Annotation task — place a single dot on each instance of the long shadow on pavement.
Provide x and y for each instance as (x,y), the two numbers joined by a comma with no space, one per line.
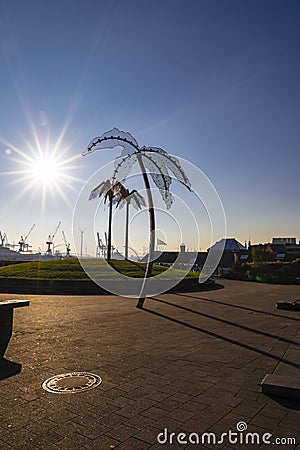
(239,307)
(9,369)
(227,322)
(219,336)
(286,402)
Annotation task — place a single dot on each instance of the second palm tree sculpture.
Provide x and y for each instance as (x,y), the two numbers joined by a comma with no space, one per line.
(158,162)
(129,198)
(110,192)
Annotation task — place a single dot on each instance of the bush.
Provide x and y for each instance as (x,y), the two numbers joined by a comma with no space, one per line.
(267,272)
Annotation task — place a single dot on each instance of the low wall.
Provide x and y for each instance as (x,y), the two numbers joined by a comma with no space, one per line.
(78,287)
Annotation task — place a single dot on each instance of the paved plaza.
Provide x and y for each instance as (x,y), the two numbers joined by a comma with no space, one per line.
(189,362)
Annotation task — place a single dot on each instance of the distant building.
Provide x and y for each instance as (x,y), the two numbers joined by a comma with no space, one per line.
(182,248)
(229,244)
(284,240)
(281,249)
(233,252)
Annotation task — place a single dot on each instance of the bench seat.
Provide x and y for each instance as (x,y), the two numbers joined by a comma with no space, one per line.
(6,326)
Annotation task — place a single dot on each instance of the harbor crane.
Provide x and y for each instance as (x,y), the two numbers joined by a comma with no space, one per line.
(3,239)
(67,244)
(101,248)
(23,246)
(49,242)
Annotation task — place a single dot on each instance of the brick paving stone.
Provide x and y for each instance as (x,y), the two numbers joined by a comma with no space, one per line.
(292,417)
(148,434)
(122,401)
(92,431)
(219,408)
(181,415)
(41,446)
(265,421)
(104,410)
(88,419)
(145,403)
(41,426)
(158,396)
(112,420)
(65,428)
(168,404)
(193,426)
(130,411)
(139,422)
(121,432)
(155,413)
(73,441)
(229,387)
(114,392)
(12,425)
(181,397)
(167,422)
(193,406)
(166,447)
(102,443)
(63,414)
(210,418)
(269,411)
(43,441)
(133,444)
(19,436)
(5,445)
(193,389)
(161,386)
(231,420)
(248,408)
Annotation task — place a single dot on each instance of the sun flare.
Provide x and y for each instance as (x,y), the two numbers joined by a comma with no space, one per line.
(46,170)
(43,171)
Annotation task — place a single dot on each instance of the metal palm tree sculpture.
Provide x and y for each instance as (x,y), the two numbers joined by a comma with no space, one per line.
(110,192)
(159,165)
(129,198)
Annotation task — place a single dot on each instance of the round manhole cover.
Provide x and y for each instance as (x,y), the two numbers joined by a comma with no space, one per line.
(71,383)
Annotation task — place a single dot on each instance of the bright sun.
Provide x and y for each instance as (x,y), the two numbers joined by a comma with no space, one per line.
(47,170)
(43,167)
(43,171)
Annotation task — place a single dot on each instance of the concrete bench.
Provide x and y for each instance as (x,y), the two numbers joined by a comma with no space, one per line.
(6,325)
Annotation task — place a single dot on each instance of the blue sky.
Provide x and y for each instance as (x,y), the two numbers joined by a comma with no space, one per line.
(215,82)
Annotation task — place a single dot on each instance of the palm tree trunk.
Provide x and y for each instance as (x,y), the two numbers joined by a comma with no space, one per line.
(151,229)
(109,228)
(126,229)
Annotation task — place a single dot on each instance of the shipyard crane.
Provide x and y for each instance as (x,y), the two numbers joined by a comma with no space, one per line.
(49,242)
(22,243)
(67,244)
(3,239)
(101,248)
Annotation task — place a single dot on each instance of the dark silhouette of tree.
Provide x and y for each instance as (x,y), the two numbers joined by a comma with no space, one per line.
(110,192)
(128,198)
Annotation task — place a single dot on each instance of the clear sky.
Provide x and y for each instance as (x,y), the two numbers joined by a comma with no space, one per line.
(213,81)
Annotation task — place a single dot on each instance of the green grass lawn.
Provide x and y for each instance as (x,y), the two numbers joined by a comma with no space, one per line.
(70,269)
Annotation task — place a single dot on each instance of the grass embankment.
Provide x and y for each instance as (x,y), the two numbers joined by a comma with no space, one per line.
(70,269)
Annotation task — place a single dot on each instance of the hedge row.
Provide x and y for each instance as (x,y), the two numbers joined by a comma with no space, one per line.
(267,272)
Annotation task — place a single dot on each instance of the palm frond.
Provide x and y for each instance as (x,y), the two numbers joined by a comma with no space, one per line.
(163,159)
(101,189)
(123,166)
(111,139)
